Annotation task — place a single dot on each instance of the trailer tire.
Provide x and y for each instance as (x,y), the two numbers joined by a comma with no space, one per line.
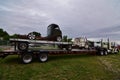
(43,57)
(23,46)
(26,58)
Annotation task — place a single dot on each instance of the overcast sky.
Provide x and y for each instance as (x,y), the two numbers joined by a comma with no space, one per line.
(76,18)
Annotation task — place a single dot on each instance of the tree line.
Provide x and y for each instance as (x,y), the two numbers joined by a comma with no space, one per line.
(4,35)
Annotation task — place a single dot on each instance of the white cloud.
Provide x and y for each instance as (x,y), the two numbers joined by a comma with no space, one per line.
(3,8)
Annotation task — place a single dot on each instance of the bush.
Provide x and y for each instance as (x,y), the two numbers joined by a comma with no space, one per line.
(4,42)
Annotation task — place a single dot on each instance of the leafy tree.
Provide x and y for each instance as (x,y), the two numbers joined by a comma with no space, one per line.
(4,34)
(6,37)
(14,36)
(70,40)
(36,33)
(66,39)
(1,32)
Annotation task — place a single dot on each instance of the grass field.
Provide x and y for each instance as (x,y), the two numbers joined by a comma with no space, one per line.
(0,49)
(62,67)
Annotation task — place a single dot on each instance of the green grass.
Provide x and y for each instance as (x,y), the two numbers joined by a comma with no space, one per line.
(0,49)
(62,67)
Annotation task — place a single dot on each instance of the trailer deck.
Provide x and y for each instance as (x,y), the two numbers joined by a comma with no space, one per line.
(49,52)
(26,55)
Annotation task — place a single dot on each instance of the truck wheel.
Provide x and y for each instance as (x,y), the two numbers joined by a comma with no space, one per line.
(101,53)
(116,51)
(23,46)
(105,52)
(26,58)
(69,47)
(31,36)
(59,38)
(43,57)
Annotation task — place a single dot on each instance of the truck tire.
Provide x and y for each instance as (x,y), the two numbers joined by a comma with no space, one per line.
(26,58)
(23,46)
(116,51)
(101,53)
(105,52)
(31,36)
(43,57)
(59,38)
(69,47)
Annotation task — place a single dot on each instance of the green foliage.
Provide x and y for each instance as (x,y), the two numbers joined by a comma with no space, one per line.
(36,33)
(14,36)
(66,39)
(70,40)
(1,49)
(4,42)
(4,35)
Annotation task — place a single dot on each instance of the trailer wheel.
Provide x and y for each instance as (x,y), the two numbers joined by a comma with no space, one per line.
(26,58)
(23,46)
(43,57)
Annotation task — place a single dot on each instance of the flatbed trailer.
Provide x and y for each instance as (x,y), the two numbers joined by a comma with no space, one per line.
(27,56)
